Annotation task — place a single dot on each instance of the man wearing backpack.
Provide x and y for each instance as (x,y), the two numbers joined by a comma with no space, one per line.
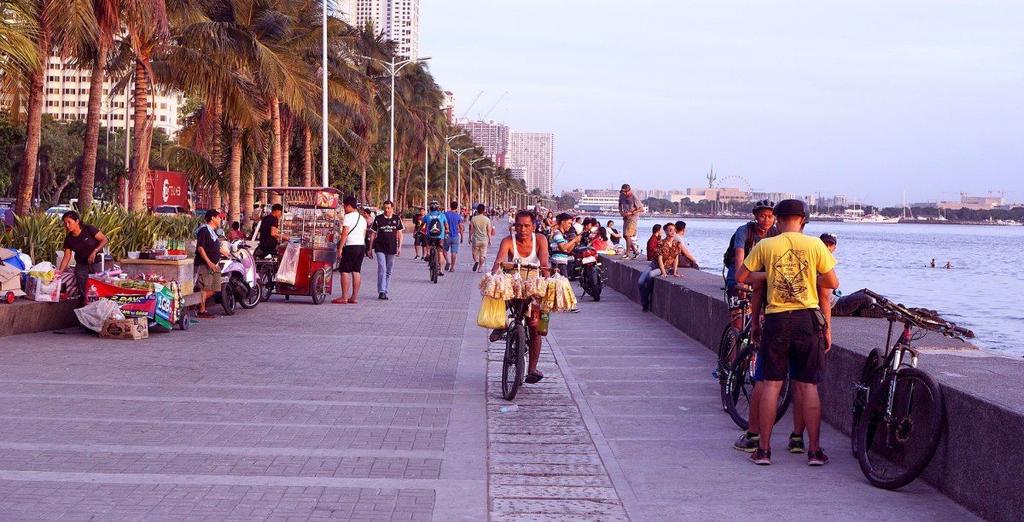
(435,229)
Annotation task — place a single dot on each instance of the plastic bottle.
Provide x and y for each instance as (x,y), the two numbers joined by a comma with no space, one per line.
(545,321)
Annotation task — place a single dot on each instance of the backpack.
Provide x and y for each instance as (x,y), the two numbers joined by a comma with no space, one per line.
(434,227)
(729,259)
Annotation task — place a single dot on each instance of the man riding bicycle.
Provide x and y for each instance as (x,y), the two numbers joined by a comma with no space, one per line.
(435,229)
(526,248)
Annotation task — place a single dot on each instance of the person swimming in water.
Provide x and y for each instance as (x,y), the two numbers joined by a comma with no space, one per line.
(933,262)
(949,265)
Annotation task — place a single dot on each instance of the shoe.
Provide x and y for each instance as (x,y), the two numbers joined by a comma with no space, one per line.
(386,298)
(761,457)
(475,266)
(447,267)
(796,443)
(382,296)
(440,272)
(817,458)
(747,442)
(415,258)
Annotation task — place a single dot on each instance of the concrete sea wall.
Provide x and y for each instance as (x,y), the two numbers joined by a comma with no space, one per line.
(979,462)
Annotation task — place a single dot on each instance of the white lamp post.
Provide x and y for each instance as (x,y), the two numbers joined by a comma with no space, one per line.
(458,172)
(471,163)
(448,146)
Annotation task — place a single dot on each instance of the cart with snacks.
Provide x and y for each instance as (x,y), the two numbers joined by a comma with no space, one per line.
(305,262)
(159,301)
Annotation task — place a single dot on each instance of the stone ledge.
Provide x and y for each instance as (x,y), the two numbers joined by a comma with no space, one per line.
(977,462)
(24,316)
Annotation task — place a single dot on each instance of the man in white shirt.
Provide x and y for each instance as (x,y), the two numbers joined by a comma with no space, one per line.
(351,250)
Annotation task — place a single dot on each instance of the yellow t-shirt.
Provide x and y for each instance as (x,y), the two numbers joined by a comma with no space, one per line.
(792,263)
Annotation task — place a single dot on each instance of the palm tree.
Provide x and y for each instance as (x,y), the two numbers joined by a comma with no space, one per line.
(18,54)
(107,20)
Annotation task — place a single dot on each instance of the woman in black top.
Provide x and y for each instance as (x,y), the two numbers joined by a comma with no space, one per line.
(386,244)
(86,243)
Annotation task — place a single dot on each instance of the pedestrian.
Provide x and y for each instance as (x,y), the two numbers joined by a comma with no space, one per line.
(577,225)
(270,235)
(933,262)
(451,247)
(563,241)
(613,234)
(207,257)
(629,208)
(796,333)
(481,231)
(419,239)
(688,260)
(387,244)
(653,242)
(235,234)
(85,243)
(600,241)
(351,249)
(665,263)
(830,240)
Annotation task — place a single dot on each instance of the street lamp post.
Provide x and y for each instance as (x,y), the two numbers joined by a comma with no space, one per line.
(448,146)
(458,172)
(324,136)
(471,163)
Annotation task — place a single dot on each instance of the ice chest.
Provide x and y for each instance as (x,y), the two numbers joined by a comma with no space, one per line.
(37,290)
(135,328)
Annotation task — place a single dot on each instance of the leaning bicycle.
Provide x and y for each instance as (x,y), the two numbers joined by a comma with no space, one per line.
(737,365)
(898,409)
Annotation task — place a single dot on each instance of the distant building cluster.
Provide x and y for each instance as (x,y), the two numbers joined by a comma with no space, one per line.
(399,20)
(988,202)
(529,155)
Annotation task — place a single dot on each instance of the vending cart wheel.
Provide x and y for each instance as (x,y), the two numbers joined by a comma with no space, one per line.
(318,287)
(9,298)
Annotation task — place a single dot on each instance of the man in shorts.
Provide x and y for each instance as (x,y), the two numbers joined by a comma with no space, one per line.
(451,245)
(207,257)
(419,240)
(796,332)
(480,232)
(351,251)
(630,208)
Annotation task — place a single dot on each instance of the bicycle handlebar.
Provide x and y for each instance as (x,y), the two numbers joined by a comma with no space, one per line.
(909,316)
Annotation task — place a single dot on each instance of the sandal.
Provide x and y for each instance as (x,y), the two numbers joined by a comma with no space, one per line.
(534,377)
(352,301)
(340,300)
(496,335)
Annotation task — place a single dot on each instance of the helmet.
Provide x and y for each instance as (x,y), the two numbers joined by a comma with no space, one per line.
(434,205)
(791,207)
(763,204)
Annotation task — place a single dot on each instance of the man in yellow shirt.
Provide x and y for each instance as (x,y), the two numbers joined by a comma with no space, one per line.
(796,331)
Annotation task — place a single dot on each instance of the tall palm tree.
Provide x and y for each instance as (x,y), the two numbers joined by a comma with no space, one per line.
(107,20)
(18,54)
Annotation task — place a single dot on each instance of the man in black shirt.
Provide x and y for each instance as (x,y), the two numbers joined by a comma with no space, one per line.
(86,242)
(270,233)
(387,243)
(207,257)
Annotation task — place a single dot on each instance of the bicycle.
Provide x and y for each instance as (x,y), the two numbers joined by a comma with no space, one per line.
(434,264)
(517,340)
(898,409)
(737,362)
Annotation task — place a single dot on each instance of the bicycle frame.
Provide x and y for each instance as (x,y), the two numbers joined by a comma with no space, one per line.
(895,358)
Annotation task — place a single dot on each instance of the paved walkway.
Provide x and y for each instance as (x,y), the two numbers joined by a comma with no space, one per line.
(390,411)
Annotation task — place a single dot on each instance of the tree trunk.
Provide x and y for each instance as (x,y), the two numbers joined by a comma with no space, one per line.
(35,125)
(215,197)
(235,177)
(90,149)
(307,156)
(286,152)
(248,200)
(139,172)
(275,147)
(362,186)
(264,173)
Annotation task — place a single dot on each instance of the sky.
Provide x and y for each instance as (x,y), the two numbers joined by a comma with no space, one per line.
(867,99)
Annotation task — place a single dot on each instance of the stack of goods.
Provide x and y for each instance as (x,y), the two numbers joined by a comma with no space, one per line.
(554,293)
(559,297)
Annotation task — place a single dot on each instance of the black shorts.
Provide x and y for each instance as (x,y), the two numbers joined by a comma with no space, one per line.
(419,239)
(792,344)
(352,259)
(436,242)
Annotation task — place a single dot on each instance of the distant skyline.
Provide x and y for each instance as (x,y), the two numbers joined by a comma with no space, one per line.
(863,99)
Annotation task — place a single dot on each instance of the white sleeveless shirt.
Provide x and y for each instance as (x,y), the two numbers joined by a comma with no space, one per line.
(532,259)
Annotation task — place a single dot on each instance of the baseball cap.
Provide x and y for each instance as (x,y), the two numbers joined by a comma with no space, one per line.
(791,207)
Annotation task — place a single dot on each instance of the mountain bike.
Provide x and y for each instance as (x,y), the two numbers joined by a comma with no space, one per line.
(433,264)
(737,364)
(898,409)
(517,338)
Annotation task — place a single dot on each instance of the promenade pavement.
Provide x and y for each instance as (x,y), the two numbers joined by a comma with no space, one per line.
(390,410)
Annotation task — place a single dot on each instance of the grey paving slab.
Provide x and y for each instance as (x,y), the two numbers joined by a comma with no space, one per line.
(655,417)
(289,411)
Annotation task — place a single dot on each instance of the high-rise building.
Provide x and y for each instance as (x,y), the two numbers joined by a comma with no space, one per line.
(66,97)
(534,151)
(448,106)
(492,137)
(399,20)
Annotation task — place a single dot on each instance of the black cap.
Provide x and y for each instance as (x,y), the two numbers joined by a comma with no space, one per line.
(791,207)
(210,214)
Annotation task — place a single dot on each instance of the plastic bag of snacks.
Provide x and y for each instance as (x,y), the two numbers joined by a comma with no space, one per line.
(492,313)
(497,286)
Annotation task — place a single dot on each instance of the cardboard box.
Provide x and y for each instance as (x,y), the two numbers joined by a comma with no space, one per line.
(135,328)
(37,290)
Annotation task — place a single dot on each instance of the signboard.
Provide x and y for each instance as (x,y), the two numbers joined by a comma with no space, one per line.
(167,189)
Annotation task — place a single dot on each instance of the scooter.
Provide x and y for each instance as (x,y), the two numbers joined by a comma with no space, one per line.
(240,282)
(587,267)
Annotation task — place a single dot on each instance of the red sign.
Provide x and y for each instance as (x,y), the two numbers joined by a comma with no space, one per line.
(167,189)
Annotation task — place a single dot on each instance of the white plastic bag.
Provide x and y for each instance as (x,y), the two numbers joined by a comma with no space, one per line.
(286,272)
(94,314)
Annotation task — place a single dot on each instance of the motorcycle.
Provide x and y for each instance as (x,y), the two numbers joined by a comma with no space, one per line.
(586,267)
(240,285)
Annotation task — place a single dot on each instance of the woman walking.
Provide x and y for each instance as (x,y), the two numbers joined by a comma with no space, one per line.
(387,243)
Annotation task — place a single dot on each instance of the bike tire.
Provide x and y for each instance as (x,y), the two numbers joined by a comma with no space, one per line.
(513,368)
(738,386)
(227,298)
(265,283)
(908,440)
(434,269)
(860,395)
(594,284)
(728,350)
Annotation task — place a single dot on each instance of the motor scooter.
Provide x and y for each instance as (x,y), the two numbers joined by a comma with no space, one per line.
(587,267)
(240,284)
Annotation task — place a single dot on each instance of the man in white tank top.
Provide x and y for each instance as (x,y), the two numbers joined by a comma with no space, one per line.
(529,248)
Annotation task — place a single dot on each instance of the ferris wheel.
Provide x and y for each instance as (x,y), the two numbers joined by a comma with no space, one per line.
(733,182)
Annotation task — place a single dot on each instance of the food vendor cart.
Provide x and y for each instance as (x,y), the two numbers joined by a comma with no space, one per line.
(305,262)
(160,302)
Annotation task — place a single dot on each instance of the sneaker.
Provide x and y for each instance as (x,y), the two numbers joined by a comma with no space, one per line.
(817,458)
(447,267)
(796,443)
(747,442)
(381,296)
(761,457)
(475,266)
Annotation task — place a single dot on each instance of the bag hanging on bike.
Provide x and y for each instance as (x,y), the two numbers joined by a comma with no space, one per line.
(492,313)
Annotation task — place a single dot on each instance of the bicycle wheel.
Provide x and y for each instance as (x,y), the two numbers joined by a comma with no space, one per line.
(738,387)
(514,364)
(728,350)
(894,449)
(862,390)
(434,269)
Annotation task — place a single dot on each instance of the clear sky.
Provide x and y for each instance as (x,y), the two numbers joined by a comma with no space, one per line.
(868,99)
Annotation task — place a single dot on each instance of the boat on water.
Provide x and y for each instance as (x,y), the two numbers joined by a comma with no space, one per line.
(873,218)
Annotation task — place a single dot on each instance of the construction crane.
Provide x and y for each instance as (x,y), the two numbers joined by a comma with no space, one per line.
(481,93)
(484,116)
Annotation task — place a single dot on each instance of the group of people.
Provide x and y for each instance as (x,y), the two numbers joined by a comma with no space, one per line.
(442,232)
(667,253)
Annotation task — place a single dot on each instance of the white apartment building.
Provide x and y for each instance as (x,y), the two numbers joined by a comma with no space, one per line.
(534,151)
(345,10)
(399,20)
(66,97)
(492,137)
